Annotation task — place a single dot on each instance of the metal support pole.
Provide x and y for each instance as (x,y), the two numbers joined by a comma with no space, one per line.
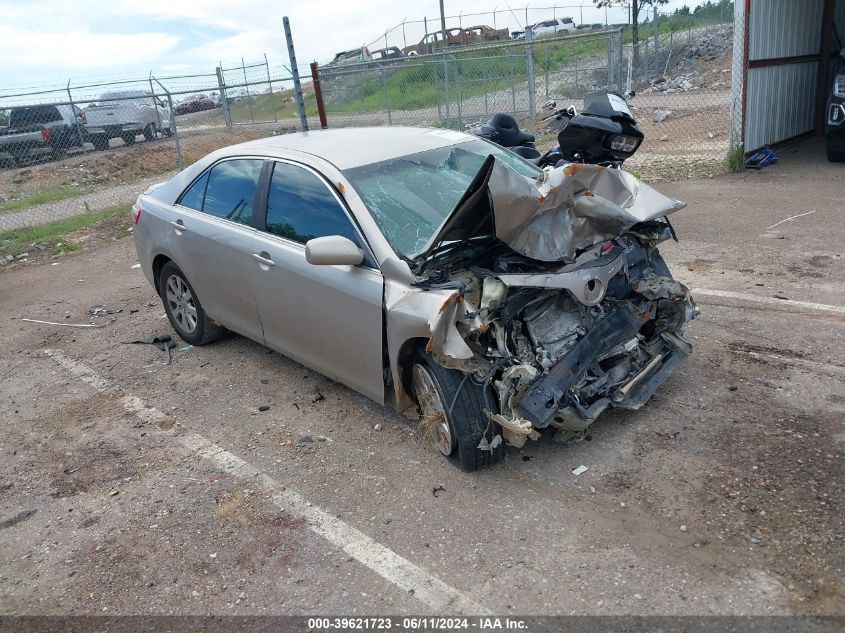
(443,23)
(513,82)
(77,120)
(656,44)
(270,85)
(622,86)
(155,102)
(446,86)
(294,71)
(529,66)
(609,60)
(224,98)
(248,96)
(386,95)
(318,95)
(404,39)
(173,129)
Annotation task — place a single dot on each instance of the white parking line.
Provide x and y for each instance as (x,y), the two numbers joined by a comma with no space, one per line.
(417,582)
(789,305)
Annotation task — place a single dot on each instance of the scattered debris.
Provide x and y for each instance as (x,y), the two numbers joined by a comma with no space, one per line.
(20,516)
(70,470)
(318,397)
(263,408)
(135,266)
(65,324)
(114,493)
(386,520)
(305,439)
(660,115)
(186,348)
(163,341)
(761,158)
(684,528)
(436,489)
(580,470)
(732,387)
(377,427)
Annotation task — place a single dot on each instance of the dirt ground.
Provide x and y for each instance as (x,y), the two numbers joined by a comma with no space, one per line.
(133,487)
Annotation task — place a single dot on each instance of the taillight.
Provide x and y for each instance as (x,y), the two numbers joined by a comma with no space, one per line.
(45,134)
(606,248)
(136,213)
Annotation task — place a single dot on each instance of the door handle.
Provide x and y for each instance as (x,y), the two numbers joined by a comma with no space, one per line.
(263,258)
(178,225)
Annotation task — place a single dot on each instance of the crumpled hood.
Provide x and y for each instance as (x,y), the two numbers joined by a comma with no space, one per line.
(574,207)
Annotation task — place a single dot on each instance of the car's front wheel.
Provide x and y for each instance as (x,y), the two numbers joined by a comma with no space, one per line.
(184,309)
(150,132)
(452,415)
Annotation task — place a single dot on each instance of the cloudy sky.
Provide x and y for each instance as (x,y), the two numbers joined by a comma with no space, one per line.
(50,41)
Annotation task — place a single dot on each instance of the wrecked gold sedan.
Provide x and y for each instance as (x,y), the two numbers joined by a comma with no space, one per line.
(427,269)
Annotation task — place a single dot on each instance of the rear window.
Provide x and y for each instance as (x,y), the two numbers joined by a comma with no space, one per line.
(35,115)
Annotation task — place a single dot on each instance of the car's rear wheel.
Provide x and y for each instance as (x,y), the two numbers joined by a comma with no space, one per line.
(128,138)
(835,155)
(150,132)
(184,309)
(452,415)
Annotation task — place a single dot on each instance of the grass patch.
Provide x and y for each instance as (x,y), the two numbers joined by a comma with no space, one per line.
(50,194)
(54,235)
(269,107)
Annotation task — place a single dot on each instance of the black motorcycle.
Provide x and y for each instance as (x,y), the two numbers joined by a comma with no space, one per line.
(603,133)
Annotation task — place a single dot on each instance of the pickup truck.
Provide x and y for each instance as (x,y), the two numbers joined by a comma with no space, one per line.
(126,114)
(41,130)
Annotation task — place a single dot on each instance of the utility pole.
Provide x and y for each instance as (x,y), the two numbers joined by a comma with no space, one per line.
(443,22)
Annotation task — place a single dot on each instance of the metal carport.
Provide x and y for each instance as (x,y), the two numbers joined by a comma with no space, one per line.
(786,51)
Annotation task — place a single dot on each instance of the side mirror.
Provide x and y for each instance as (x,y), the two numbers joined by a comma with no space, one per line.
(333,250)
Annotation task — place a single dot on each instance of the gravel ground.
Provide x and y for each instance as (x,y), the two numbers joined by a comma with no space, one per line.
(722,496)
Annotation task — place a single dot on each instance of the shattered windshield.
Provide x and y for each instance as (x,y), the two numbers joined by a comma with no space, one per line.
(410,196)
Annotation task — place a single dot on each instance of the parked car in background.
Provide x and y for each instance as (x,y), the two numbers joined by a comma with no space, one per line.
(353,56)
(125,114)
(553,27)
(197,103)
(835,124)
(483,33)
(383,54)
(455,37)
(41,130)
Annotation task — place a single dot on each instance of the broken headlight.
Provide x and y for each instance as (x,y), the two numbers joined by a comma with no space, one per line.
(622,143)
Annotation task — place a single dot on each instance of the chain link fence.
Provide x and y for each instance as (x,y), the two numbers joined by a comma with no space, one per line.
(681,71)
(86,148)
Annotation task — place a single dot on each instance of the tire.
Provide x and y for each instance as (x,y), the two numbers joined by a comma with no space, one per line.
(128,138)
(150,132)
(466,423)
(100,142)
(167,132)
(835,156)
(181,303)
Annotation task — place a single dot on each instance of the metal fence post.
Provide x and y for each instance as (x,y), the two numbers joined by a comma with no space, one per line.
(155,103)
(294,71)
(386,95)
(529,63)
(224,99)
(318,95)
(609,60)
(173,129)
(77,120)
(622,86)
(248,96)
(513,81)
(446,87)
(270,86)
(656,43)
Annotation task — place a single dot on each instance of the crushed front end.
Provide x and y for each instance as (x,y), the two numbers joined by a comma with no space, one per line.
(559,341)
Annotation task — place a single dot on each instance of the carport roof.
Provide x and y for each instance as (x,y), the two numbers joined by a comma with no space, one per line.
(351,147)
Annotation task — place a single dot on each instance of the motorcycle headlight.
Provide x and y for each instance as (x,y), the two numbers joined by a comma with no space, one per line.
(839,86)
(622,143)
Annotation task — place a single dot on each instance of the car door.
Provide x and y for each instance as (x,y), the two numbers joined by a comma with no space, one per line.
(213,233)
(326,317)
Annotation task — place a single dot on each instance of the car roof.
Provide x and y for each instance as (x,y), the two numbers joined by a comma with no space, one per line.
(352,147)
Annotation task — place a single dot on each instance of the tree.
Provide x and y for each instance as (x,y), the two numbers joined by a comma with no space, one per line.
(635,6)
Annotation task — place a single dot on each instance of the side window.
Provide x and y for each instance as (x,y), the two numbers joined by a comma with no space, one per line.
(300,207)
(231,189)
(192,198)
